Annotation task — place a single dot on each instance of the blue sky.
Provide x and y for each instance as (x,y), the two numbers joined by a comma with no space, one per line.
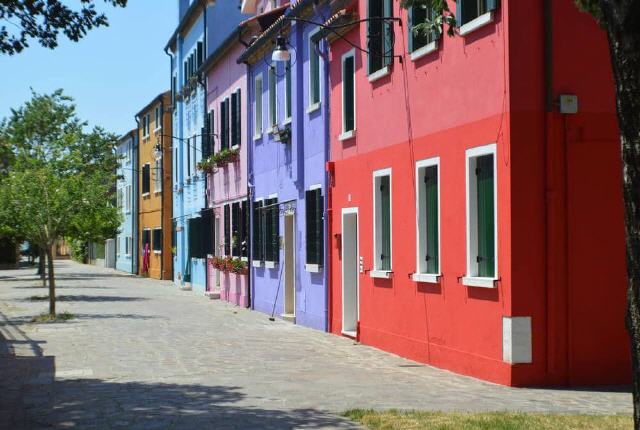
(112,73)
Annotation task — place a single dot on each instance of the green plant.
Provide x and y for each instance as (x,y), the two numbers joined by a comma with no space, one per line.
(47,317)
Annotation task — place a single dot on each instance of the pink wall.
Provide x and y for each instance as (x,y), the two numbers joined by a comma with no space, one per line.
(228,183)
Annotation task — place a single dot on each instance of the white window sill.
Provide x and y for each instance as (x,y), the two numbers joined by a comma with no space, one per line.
(379,74)
(157,192)
(384,274)
(426,278)
(235,147)
(256,263)
(270,264)
(475,281)
(314,107)
(146,194)
(286,121)
(272,129)
(476,23)
(245,259)
(257,136)
(424,51)
(155,130)
(313,268)
(347,135)
(157,252)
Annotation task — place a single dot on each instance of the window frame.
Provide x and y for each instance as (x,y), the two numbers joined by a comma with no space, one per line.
(314,266)
(378,272)
(430,46)
(273,99)
(471,278)
(257,237)
(153,240)
(157,178)
(385,68)
(422,239)
(258,114)
(288,96)
(128,246)
(158,118)
(148,192)
(479,21)
(274,211)
(313,104)
(347,134)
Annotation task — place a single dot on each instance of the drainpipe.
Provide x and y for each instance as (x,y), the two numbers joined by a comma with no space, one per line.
(203,82)
(173,97)
(327,201)
(162,185)
(137,182)
(250,184)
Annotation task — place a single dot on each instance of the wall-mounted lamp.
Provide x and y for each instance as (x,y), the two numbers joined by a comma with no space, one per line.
(281,53)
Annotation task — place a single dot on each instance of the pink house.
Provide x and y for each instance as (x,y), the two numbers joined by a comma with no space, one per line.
(227,172)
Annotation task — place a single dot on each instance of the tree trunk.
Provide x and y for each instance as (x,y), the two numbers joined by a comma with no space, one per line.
(622,20)
(52,283)
(41,266)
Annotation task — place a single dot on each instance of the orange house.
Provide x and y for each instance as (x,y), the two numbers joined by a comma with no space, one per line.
(154,189)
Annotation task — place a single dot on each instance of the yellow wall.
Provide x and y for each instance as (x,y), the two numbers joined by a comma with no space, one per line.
(155,208)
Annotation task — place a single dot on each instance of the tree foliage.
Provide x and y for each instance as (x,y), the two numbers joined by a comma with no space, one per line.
(43,20)
(60,182)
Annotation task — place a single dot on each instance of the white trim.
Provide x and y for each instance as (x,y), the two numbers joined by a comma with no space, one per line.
(258,101)
(421,164)
(314,107)
(476,23)
(273,115)
(270,264)
(313,268)
(425,50)
(475,281)
(428,278)
(348,134)
(377,174)
(384,274)
(256,263)
(273,196)
(351,211)
(351,334)
(470,279)
(315,187)
(287,78)
(311,44)
(379,74)
(286,121)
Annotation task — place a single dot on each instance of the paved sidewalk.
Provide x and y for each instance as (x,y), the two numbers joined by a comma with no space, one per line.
(142,354)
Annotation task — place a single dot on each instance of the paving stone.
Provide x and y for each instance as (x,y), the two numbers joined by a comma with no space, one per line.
(142,354)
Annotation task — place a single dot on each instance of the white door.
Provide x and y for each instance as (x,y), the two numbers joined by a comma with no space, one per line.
(350,267)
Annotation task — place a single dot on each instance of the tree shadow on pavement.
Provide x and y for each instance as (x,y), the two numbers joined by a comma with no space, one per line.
(84,298)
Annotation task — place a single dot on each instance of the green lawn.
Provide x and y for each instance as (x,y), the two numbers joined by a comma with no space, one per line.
(399,420)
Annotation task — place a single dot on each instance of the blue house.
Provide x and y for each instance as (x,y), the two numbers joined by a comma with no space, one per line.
(202,28)
(127,190)
(288,152)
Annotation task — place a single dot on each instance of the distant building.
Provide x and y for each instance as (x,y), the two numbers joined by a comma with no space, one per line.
(127,202)
(154,246)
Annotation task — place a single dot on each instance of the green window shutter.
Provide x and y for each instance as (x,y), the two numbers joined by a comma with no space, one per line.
(410,21)
(244,228)
(235,231)
(486,216)
(315,72)
(385,223)
(431,190)
(348,93)
(375,36)
(310,226)
(257,231)
(319,227)
(388,33)
(234,120)
(227,230)
(459,12)
(275,231)
(238,123)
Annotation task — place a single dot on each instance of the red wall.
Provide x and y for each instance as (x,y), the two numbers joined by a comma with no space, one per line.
(483,88)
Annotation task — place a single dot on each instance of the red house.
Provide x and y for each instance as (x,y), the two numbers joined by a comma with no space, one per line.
(476,217)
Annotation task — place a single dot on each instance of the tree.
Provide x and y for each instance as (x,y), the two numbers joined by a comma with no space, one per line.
(43,20)
(60,182)
(621,21)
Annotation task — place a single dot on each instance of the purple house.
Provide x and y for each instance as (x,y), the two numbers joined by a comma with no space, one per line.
(288,149)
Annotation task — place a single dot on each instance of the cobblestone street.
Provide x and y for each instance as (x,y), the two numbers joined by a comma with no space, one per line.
(142,354)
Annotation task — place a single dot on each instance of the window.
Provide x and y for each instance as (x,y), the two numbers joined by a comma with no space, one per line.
(258,230)
(257,119)
(481,217)
(127,198)
(146,179)
(472,14)
(419,14)
(118,245)
(158,118)
(428,220)
(235,229)
(157,240)
(224,124)
(145,125)
(125,154)
(188,148)
(348,93)
(382,223)
(128,245)
(157,175)
(146,238)
(314,72)
(314,212)
(379,34)
(174,89)
(119,198)
(287,91)
(236,119)
(175,165)
(227,229)
(273,98)
(200,53)
(271,230)
(244,228)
